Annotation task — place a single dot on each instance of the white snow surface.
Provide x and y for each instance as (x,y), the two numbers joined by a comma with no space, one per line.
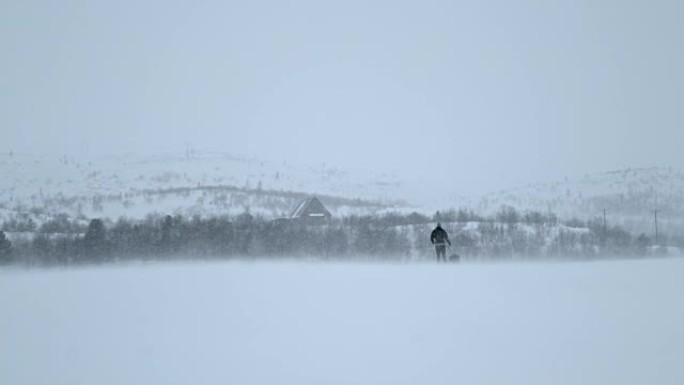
(611,322)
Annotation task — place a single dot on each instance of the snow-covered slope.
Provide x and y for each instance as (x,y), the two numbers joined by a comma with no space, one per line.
(629,197)
(42,186)
(195,183)
(233,323)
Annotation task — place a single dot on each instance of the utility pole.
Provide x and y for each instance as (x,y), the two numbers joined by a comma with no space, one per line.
(655,214)
(656,227)
(604,220)
(605,230)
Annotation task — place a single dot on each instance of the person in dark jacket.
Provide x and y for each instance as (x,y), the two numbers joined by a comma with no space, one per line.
(440,239)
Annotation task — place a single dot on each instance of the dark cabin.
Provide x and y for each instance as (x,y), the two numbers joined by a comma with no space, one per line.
(311,210)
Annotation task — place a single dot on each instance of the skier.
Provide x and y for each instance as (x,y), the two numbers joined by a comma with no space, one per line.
(440,239)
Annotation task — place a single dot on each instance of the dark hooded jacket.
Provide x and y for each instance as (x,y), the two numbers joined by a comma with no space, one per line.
(439,236)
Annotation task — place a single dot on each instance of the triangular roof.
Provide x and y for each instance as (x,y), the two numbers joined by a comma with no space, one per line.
(310,207)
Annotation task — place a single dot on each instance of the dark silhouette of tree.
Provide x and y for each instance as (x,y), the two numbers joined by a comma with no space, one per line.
(95,241)
(168,242)
(437,217)
(508,215)
(60,223)
(5,248)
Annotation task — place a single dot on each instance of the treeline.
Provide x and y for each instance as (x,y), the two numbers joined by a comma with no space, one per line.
(507,234)
(244,235)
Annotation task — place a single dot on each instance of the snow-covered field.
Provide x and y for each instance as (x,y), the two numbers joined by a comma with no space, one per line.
(619,322)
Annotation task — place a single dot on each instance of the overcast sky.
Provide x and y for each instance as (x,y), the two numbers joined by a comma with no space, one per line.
(474,95)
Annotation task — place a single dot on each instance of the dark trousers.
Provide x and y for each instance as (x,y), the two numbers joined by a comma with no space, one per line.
(441,252)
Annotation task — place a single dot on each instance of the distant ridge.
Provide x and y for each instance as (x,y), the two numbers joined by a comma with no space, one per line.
(42,187)
(629,197)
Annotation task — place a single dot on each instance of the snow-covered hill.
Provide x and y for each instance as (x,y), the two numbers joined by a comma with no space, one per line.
(629,198)
(42,186)
(294,323)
